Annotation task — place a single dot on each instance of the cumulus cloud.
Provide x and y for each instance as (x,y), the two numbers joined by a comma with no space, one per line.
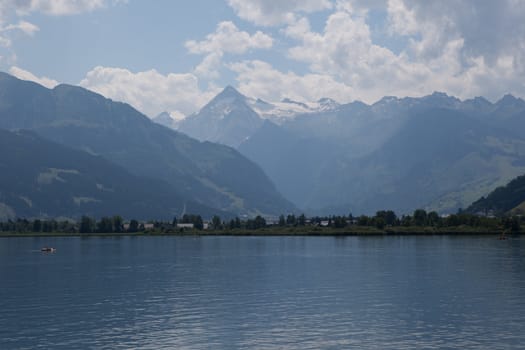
(446,51)
(345,52)
(209,67)
(488,28)
(345,45)
(276,12)
(150,91)
(258,78)
(489,54)
(26,75)
(229,39)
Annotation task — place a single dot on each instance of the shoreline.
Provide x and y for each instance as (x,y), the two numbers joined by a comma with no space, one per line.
(286,232)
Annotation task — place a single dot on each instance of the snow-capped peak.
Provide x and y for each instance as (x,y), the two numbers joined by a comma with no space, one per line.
(287,108)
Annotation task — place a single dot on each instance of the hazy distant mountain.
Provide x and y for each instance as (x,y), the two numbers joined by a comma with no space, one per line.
(440,160)
(40,178)
(508,106)
(226,119)
(292,161)
(166,120)
(213,175)
(296,153)
(435,152)
(508,113)
(508,199)
(334,157)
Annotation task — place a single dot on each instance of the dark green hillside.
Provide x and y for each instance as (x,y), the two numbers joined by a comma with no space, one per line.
(213,175)
(504,199)
(39,178)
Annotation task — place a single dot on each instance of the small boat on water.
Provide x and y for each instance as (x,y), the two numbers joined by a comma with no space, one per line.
(48,249)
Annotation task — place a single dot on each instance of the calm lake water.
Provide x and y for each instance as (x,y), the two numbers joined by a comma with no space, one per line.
(263,292)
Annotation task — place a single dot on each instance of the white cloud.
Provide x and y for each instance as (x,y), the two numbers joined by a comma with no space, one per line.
(150,91)
(59,7)
(5,29)
(24,26)
(344,45)
(276,12)
(260,79)
(229,39)
(402,20)
(491,56)
(442,52)
(488,28)
(26,75)
(209,67)
(345,52)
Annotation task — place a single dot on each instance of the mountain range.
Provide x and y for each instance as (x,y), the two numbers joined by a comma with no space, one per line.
(207,174)
(244,156)
(434,152)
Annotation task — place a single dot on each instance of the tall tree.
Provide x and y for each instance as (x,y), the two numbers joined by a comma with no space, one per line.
(118,224)
(37,225)
(105,225)
(216,222)
(133,226)
(87,225)
(282,220)
(420,217)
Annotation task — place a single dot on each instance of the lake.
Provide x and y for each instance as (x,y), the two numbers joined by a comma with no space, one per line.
(437,292)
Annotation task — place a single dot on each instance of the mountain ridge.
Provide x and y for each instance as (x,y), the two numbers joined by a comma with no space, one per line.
(211,174)
(332,141)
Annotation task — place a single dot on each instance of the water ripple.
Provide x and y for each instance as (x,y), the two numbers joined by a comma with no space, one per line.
(263,293)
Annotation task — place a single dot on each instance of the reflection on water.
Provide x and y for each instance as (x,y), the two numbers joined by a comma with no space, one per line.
(262,292)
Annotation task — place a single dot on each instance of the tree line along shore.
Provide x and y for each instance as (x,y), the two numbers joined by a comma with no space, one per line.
(383,222)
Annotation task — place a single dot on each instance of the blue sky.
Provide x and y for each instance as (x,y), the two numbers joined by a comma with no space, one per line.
(175,55)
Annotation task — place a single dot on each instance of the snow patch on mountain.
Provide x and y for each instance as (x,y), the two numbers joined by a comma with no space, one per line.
(279,112)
